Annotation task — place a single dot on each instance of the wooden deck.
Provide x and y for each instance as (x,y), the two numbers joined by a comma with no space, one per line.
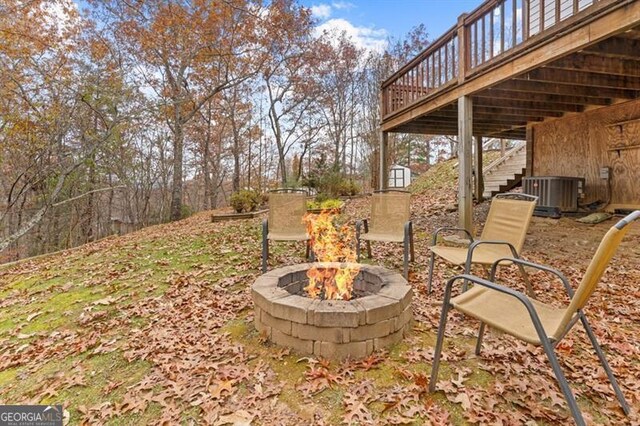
(520,62)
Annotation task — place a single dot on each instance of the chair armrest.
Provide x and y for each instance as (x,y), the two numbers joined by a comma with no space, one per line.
(477,243)
(408,228)
(363,223)
(521,297)
(523,262)
(472,247)
(449,228)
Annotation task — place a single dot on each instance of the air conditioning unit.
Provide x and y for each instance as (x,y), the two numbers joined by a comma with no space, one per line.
(560,192)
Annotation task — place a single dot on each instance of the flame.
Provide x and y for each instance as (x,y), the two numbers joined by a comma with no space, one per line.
(330,243)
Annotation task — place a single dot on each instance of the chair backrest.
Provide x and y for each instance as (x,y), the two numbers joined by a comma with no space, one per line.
(286,210)
(509,218)
(389,212)
(598,265)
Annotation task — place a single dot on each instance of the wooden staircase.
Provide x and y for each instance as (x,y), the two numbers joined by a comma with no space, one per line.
(505,172)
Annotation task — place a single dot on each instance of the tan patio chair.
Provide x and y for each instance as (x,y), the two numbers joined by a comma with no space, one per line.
(389,222)
(535,322)
(502,236)
(287,207)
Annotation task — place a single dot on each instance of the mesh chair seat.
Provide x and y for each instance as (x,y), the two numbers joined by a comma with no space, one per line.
(482,255)
(379,236)
(501,312)
(288,236)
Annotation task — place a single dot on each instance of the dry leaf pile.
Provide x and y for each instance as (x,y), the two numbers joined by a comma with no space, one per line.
(156,328)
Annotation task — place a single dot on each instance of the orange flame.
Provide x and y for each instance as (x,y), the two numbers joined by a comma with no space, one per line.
(330,244)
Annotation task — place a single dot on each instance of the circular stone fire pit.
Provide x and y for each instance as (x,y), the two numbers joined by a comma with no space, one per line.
(378,316)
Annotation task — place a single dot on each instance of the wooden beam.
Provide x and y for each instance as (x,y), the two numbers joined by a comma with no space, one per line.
(465,163)
(580,78)
(498,113)
(498,93)
(527,105)
(599,64)
(384,161)
(438,129)
(483,118)
(616,47)
(546,87)
(479,178)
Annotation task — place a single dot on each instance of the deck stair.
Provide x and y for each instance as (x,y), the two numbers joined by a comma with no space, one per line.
(505,172)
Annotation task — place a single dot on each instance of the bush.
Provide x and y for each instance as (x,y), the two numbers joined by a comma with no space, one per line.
(185,211)
(245,200)
(348,187)
(326,204)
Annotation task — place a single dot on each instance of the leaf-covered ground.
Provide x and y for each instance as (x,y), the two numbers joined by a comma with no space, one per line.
(156,327)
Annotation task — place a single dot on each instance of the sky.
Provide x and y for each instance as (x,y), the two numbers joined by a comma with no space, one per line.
(371,22)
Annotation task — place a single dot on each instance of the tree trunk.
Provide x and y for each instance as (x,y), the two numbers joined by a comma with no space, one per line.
(176,191)
(206,163)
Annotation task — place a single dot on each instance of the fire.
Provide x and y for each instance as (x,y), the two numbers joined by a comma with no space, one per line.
(330,243)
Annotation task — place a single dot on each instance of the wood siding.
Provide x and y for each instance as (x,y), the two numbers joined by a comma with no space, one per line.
(580,145)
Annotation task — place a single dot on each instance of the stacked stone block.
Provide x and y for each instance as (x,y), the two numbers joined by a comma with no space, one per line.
(334,329)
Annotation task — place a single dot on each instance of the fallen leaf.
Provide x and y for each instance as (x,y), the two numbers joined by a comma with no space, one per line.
(239,418)
(32,316)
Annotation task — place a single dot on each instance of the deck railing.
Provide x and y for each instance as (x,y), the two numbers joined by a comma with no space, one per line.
(495,30)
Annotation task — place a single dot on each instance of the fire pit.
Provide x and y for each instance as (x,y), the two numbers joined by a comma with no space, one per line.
(377,315)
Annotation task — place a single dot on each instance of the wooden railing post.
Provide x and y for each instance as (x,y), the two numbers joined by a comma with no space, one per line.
(463,49)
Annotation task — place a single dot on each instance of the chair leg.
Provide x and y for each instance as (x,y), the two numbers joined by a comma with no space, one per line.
(358,226)
(438,350)
(369,249)
(406,259)
(407,245)
(431,262)
(413,252)
(265,245)
(312,254)
(562,382)
(467,271)
(480,335)
(527,283)
(605,364)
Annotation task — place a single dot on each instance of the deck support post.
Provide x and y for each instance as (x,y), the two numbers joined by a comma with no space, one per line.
(384,161)
(529,151)
(479,177)
(465,183)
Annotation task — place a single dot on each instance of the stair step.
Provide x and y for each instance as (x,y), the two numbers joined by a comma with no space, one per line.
(499,170)
(499,179)
(507,172)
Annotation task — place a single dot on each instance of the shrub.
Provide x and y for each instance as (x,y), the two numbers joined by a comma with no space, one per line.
(185,211)
(348,187)
(325,204)
(321,196)
(245,200)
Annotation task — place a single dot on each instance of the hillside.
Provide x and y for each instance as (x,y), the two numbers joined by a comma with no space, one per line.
(156,326)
